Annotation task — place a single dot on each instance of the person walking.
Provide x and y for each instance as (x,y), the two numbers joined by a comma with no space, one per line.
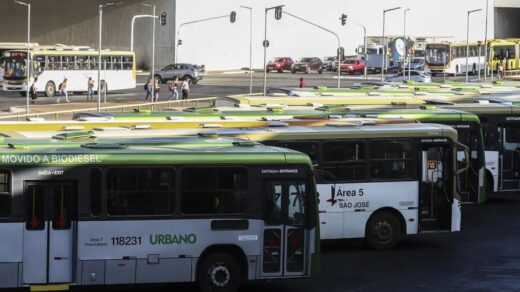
(302,83)
(185,89)
(63,91)
(90,89)
(156,90)
(148,87)
(174,89)
(500,70)
(32,91)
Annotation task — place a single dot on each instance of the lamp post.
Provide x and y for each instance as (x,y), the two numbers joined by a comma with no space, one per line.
(152,72)
(250,47)
(405,44)
(485,43)
(132,28)
(28,58)
(383,63)
(467,43)
(101,6)
(327,30)
(364,45)
(266,44)
(191,22)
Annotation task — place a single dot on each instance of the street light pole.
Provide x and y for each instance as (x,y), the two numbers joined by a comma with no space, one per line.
(327,30)
(250,47)
(132,28)
(383,63)
(485,43)
(405,44)
(28,57)
(265,45)
(152,71)
(364,45)
(467,43)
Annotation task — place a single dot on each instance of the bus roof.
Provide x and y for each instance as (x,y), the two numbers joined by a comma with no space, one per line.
(186,150)
(79,52)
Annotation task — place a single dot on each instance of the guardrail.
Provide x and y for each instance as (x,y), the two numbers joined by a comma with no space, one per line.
(67,114)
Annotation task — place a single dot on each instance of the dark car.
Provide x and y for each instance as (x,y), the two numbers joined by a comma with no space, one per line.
(307,65)
(280,64)
(190,72)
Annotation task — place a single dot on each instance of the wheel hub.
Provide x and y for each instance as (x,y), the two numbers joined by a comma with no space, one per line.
(384,231)
(219,275)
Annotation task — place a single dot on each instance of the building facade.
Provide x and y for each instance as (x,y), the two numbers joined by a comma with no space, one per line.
(76,22)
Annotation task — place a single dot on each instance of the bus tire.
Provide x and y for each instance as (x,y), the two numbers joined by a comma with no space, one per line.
(50,89)
(383,231)
(218,272)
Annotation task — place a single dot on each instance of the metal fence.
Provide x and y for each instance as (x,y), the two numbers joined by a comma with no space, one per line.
(155,106)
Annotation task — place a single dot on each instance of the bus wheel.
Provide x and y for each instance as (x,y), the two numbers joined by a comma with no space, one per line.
(50,89)
(218,272)
(383,231)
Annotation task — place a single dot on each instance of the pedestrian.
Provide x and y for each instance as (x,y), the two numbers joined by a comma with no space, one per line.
(32,90)
(90,89)
(185,89)
(156,90)
(148,89)
(174,89)
(500,71)
(302,83)
(63,91)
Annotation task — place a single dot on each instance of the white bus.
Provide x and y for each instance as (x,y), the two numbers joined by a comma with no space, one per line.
(6,47)
(76,64)
(450,58)
(379,182)
(96,214)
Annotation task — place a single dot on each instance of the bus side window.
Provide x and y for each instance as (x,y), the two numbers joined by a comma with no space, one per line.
(5,194)
(345,159)
(391,159)
(223,190)
(307,147)
(96,192)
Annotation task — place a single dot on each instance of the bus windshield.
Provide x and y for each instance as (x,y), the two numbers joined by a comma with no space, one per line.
(14,67)
(437,55)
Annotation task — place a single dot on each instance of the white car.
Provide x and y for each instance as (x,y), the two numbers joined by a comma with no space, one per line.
(417,63)
(415,75)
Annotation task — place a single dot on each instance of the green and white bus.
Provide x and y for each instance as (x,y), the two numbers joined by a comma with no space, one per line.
(113,213)
(378,182)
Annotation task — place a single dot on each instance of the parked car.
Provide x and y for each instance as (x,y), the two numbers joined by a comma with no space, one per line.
(353,66)
(327,63)
(307,65)
(191,72)
(415,75)
(417,63)
(280,64)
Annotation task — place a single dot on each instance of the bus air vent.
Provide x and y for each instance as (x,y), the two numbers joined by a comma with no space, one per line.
(108,129)
(420,93)
(343,124)
(403,86)
(438,102)
(104,146)
(398,103)
(315,104)
(142,111)
(486,86)
(141,127)
(201,109)
(72,128)
(445,86)
(175,118)
(276,124)
(72,135)
(368,122)
(18,146)
(211,135)
(210,126)
(244,143)
(333,117)
(428,107)
(374,93)
(35,119)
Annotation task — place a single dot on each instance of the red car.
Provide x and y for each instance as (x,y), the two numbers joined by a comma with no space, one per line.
(352,66)
(280,64)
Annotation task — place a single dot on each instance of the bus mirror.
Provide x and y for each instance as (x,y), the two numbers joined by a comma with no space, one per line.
(431,169)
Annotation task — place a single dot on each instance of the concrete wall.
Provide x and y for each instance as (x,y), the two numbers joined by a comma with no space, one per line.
(76,22)
(507,24)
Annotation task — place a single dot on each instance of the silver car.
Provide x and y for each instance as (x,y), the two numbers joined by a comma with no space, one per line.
(415,75)
(190,72)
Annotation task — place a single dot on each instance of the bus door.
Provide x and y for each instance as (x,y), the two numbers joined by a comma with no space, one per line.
(48,233)
(510,157)
(436,198)
(285,236)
